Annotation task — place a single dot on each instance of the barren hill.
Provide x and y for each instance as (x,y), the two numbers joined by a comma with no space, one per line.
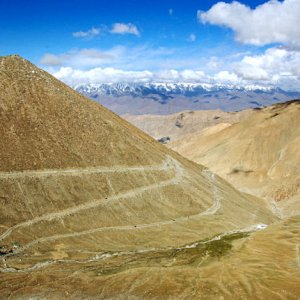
(260,154)
(169,128)
(91,207)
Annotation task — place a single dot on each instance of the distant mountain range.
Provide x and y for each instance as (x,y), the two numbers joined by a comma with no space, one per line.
(166,98)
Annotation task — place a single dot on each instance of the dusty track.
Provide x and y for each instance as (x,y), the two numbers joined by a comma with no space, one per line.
(82,171)
(217,200)
(169,164)
(298,255)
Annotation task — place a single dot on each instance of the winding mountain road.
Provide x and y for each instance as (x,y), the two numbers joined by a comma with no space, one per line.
(168,164)
(82,171)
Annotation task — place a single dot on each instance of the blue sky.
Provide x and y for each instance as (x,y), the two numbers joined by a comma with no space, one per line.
(155,37)
(32,27)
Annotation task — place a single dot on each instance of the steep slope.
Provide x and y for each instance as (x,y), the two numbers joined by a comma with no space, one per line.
(79,185)
(260,154)
(175,126)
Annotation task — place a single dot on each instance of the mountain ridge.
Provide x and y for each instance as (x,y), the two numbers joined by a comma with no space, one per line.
(166,98)
(259,151)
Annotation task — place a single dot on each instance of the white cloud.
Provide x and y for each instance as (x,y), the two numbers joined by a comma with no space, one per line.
(249,72)
(272,22)
(121,57)
(79,58)
(75,77)
(50,60)
(274,64)
(122,28)
(87,34)
(213,63)
(193,76)
(192,37)
(226,77)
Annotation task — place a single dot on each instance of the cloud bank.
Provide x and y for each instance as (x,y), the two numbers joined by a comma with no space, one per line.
(76,77)
(276,66)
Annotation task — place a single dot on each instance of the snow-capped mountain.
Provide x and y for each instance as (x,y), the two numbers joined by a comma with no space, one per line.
(164,98)
(186,89)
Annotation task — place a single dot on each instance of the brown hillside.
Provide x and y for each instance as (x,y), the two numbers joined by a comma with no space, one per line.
(178,125)
(260,154)
(45,124)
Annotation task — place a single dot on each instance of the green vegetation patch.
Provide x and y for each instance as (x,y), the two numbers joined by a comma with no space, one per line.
(182,256)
